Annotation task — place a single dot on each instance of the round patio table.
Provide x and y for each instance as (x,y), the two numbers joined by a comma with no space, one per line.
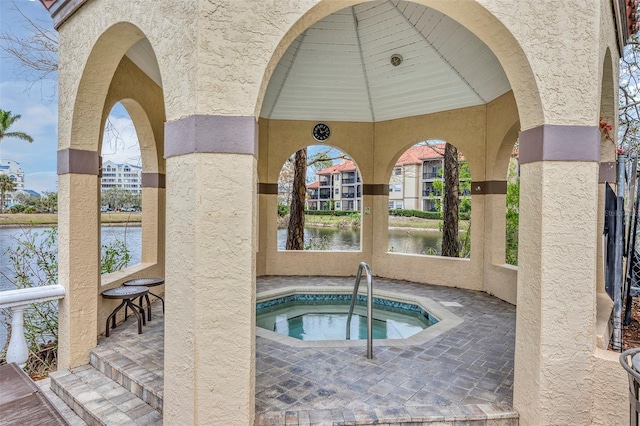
(126,294)
(146,282)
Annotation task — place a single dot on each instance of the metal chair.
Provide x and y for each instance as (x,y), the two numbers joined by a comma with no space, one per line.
(630,360)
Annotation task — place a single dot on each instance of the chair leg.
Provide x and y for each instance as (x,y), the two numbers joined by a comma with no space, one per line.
(137,314)
(146,296)
(161,299)
(112,317)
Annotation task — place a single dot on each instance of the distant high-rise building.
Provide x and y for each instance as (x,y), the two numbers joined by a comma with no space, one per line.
(14,171)
(124,176)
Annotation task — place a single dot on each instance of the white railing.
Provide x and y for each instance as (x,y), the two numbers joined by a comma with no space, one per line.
(18,300)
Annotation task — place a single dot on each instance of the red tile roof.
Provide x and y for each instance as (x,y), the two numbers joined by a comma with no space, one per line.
(417,153)
(345,166)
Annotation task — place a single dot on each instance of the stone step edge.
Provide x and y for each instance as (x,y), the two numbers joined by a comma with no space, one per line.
(71,398)
(123,377)
(486,414)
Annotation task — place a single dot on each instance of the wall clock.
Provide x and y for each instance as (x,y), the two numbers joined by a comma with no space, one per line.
(321,132)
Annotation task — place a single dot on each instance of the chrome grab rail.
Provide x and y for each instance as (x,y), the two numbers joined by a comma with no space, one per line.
(354,296)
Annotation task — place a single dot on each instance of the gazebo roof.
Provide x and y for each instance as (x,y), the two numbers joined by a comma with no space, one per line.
(340,68)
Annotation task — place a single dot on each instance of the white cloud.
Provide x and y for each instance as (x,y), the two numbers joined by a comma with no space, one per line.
(120,142)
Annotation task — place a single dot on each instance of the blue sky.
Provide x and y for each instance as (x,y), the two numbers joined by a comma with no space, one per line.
(38,105)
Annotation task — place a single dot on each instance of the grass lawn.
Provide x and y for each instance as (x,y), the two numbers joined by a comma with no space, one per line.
(52,218)
(394,222)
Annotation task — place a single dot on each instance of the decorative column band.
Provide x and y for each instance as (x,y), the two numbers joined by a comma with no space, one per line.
(78,161)
(608,172)
(211,134)
(489,187)
(268,188)
(154,180)
(560,143)
(375,189)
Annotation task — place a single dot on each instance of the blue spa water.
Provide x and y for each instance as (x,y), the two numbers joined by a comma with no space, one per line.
(324,317)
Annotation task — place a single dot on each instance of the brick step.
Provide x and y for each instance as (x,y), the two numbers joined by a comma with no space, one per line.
(427,415)
(132,371)
(99,400)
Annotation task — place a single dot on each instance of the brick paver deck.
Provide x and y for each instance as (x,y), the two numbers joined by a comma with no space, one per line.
(463,374)
(466,372)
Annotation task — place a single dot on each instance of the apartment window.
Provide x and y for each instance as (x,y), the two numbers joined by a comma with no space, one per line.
(337,205)
(391,204)
(398,204)
(336,177)
(398,187)
(397,171)
(336,191)
(390,188)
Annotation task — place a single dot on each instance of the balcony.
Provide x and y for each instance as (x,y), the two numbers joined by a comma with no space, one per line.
(432,175)
(431,192)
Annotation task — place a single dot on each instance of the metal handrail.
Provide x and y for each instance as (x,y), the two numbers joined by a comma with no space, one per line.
(354,296)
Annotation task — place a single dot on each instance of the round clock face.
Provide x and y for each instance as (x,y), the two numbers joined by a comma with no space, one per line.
(321,132)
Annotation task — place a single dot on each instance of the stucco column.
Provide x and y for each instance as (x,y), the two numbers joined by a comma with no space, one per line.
(556,274)
(78,255)
(491,195)
(377,197)
(153,217)
(267,218)
(210,270)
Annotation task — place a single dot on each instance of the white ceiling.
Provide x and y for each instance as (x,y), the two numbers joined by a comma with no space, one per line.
(144,57)
(339,69)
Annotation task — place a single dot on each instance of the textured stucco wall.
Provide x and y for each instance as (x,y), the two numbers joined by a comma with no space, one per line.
(375,147)
(78,267)
(210,320)
(608,381)
(144,101)
(556,292)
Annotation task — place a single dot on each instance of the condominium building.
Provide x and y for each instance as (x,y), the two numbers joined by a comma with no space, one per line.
(124,176)
(411,185)
(336,188)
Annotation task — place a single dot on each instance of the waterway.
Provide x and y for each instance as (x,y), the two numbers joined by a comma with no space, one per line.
(401,240)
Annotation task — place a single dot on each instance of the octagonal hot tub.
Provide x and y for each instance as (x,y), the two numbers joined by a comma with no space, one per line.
(317,317)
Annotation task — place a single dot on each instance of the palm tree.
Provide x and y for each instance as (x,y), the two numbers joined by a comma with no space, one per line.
(6,185)
(6,120)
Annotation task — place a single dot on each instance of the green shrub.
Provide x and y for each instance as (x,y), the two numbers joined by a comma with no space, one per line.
(426,215)
(283,210)
(331,212)
(30,209)
(18,208)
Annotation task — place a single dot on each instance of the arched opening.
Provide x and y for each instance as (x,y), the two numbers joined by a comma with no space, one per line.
(417,192)
(372,85)
(120,69)
(332,204)
(120,193)
(512,201)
